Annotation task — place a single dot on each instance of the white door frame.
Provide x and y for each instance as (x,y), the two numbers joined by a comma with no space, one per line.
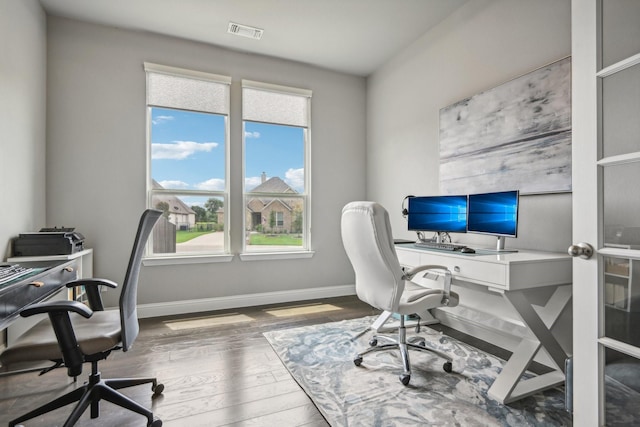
(585,184)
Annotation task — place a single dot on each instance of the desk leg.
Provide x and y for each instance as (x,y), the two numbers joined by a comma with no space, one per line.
(381,320)
(378,325)
(509,386)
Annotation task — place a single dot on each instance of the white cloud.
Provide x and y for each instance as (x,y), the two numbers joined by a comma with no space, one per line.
(252,182)
(180,150)
(295,179)
(213,184)
(161,119)
(252,134)
(173,184)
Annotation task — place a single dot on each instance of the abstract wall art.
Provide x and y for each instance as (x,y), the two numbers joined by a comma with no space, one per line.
(516,136)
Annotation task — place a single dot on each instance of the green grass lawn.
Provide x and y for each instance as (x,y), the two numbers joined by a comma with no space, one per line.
(275,239)
(256,239)
(185,236)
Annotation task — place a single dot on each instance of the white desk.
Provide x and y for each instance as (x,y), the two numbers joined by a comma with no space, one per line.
(84,268)
(85,257)
(511,275)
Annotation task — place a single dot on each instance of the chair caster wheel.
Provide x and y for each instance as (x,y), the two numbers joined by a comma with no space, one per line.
(404,379)
(157,390)
(448,367)
(357,361)
(373,342)
(155,423)
(421,343)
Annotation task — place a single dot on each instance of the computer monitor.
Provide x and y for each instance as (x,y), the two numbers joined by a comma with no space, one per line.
(440,214)
(495,214)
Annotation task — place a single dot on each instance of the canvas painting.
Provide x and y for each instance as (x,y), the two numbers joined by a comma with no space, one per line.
(516,136)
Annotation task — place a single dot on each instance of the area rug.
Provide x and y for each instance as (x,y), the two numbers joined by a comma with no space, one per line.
(320,359)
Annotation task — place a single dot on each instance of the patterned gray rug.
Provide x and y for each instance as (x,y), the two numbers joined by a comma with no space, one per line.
(320,359)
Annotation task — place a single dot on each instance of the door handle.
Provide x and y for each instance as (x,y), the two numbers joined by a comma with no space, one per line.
(582,249)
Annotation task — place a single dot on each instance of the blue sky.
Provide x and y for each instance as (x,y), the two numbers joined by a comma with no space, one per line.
(188,151)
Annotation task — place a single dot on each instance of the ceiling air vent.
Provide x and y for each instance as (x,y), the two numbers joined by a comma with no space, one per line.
(245,31)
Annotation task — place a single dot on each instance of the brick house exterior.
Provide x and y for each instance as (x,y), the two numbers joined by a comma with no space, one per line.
(259,210)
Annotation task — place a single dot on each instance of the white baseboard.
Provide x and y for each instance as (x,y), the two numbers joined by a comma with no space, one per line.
(238,301)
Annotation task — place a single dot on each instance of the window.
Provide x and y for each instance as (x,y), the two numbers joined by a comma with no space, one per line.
(187,173)
(276,167)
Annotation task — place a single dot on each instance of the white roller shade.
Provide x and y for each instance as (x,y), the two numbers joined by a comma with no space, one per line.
(275,104)
(187,90)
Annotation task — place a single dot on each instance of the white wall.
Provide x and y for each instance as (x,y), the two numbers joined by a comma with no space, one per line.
(22,119)
(96,133)
(480,46)
(96,157)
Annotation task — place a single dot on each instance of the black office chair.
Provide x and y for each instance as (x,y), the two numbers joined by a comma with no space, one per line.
(89,335)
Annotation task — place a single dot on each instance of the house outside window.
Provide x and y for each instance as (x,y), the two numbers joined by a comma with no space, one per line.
(276,123)
(187,173)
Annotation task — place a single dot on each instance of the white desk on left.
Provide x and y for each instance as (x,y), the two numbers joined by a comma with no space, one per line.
(512,275)
(84,268)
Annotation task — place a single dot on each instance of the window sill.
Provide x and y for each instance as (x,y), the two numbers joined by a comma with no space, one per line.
(192,259)
(265,256)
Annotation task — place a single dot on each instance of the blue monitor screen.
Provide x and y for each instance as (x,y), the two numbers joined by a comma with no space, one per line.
(438,213)
(494,213)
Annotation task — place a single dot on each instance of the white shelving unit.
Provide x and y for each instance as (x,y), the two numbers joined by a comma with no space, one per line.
(84,266)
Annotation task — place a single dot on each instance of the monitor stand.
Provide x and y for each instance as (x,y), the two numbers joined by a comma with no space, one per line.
(439,237)
(500,246)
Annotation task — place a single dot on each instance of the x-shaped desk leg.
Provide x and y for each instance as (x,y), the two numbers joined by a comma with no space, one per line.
(509,385)
(378,325)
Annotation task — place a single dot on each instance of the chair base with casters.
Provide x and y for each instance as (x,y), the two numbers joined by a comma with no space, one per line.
(92,392)
(400,343)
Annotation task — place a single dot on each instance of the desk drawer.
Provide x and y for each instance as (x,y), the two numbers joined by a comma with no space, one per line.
(26,292)
(470,270)
(408,258)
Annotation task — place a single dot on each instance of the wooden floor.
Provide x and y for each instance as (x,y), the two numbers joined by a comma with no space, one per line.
(215,373)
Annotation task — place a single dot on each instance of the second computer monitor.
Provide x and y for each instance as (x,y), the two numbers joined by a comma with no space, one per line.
(438,214)
(495,214)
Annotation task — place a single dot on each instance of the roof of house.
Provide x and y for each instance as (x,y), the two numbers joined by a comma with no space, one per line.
(273,185)
(176,206)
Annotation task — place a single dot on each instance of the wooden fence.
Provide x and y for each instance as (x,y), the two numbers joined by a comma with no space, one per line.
(164,237)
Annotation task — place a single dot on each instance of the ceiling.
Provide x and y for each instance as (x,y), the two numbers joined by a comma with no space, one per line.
(351,36)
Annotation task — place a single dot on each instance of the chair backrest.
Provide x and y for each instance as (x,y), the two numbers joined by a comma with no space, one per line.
(129,294)
(368,241)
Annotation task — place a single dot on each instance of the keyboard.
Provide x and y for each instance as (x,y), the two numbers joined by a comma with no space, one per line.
(11,272)
(441,246)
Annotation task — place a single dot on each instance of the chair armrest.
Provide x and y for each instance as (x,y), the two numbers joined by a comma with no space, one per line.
(91,287)
(58,312)
(446,288)
(57,307)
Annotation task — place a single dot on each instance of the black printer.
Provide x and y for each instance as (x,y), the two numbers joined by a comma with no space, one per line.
(48,241)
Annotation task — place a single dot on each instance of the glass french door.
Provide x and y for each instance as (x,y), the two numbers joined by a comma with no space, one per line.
(606,211)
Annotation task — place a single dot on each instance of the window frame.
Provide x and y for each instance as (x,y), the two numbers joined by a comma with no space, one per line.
(305,250)
(185,257)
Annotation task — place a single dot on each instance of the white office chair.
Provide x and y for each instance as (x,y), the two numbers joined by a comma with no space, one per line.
(380,280)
